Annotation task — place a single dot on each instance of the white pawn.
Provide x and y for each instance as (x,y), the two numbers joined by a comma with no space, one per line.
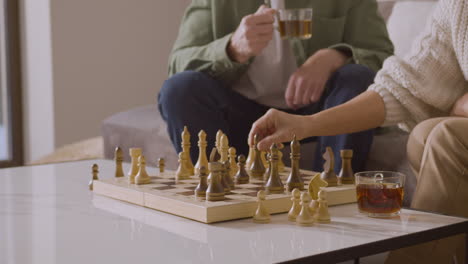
(313,206)
(142,176)
(305,218)
(262,216)
(296,207)
(321,214)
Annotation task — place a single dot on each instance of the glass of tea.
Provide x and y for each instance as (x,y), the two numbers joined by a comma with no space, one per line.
(295,23)
(380,193)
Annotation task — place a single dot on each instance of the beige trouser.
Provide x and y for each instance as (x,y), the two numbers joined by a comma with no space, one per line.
(438,153)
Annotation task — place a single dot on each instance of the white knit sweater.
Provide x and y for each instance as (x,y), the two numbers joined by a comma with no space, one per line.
(429,80)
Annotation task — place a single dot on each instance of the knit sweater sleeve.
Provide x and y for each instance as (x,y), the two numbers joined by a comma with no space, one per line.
(427,82)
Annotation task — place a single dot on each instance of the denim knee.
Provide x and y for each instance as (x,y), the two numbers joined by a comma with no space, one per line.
(356,78)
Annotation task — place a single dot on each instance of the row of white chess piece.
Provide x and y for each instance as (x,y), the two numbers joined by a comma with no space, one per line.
(304,211)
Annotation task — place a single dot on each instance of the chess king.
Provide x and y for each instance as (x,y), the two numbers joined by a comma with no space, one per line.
(228,68)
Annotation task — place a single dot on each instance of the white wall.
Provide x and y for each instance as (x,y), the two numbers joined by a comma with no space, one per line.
(87,59)
(38,107)
(108,56)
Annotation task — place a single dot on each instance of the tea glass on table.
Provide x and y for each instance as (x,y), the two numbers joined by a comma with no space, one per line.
(295,23)
(380,193)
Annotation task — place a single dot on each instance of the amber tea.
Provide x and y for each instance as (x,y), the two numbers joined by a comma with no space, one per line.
(295,23)
(295,29)
(379,198)
(380,194)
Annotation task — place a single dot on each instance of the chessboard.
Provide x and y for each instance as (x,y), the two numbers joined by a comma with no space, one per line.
(166,194)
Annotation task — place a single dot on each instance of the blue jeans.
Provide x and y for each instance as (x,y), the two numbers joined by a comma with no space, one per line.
(196,100)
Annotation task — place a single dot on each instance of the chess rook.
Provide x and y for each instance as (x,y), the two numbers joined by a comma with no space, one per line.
(257,169)
(142,176)
(200,190)
(202,159)
(274,184)
(118,157)
(242,177)
(135,153)
(346,175)
(328,173)
(215,190)
(295,179)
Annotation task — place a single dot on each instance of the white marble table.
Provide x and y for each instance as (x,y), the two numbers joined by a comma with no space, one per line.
(48,215)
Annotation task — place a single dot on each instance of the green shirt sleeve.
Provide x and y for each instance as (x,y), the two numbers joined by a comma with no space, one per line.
(202,51)
(365,36)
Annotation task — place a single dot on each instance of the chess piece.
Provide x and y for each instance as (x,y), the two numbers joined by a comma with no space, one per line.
(219,134)
(346,175)
(161,165)
(232,161)
(142,176)
(257,169)
(274,184)
(313,206)
(200,190)
(262,216)
(95,172)
(264,159)
(242,177)
(304,218)
(182,173)
(118,156)
(186,150)
(202,159)
(295,179)
(227,177)
(321,214)
(224,148)
(328,173)
(214,155)
(296,206)
(215,190)
(315,184)
(266,176)
(280,158)
(134,154)
(250,157)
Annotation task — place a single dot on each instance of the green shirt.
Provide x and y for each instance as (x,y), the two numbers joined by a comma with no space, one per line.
(352,26)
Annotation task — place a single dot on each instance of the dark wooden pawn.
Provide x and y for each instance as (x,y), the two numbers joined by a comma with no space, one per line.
(242,177)
(202,186)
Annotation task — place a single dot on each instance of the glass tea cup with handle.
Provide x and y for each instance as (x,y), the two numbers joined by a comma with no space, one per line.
(380,193)
(294,23)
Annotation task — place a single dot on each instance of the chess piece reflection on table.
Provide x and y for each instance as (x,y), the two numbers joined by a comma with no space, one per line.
(135,153)
(242,177)
(257,169)
(274,184)
(261,216)
(295,179)
(95,172)
(161,165)
(346,175)
(304,218)
(215,190)
(182,173)
(186,150)
(118,156)
(142,176)
(232,161)
(200,190)
(328,173)
(202,159)
(321,213)
(296,205)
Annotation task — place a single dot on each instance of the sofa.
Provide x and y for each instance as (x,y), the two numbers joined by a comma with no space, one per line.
(143,126)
